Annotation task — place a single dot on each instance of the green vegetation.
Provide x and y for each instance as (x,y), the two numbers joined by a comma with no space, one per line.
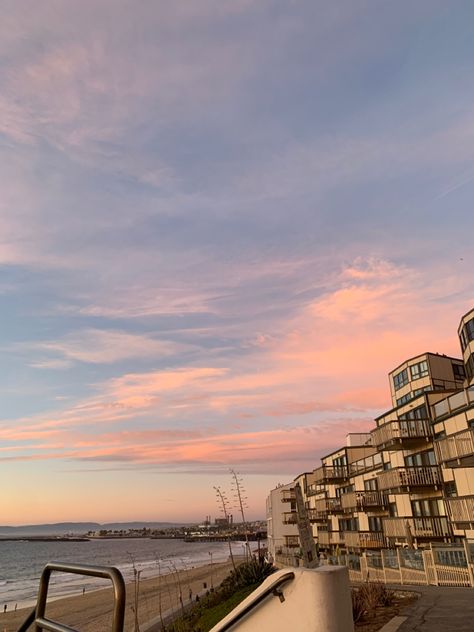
(217,604)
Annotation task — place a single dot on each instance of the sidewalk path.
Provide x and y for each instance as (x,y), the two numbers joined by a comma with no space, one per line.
(439,609)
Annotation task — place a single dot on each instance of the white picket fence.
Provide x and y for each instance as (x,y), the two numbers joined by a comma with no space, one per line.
(437,566)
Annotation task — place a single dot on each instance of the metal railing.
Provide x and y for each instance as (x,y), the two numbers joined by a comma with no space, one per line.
(401,432)
(456,446)
(271,590)
(37,616)
(421,527)
(399,477)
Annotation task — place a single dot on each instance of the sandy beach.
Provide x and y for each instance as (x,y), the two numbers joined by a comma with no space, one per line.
(92,612)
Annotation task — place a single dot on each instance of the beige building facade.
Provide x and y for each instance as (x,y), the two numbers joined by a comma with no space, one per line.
(409,483)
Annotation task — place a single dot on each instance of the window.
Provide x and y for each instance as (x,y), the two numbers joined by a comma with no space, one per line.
(421,459)
(400,379)
(467,333)
(349,524)
(375,523)
(340,461)
(419,412)
(427,507)
(450,490)
(470,366)
(392,510)
(371,485)
(458,370)
(403,400)
(419,370)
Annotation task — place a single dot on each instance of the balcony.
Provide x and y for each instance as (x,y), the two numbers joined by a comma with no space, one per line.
(423,527)
(461,509)
(288,495)
(363,501)
(457,449)
(325,474)
(330,538)
(401,434)
(364,539)
(290,517)
(323,507)
(404,478)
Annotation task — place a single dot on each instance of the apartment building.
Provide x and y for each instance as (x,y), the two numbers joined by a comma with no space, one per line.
(410,481)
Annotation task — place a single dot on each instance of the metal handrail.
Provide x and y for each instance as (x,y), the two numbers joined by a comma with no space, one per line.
(270,590)
(37,616)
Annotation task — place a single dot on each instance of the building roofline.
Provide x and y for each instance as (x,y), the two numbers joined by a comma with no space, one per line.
(461,322)
(425,353)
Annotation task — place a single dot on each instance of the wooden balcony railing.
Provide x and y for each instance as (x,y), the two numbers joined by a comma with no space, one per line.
(401,433)
(327,538)
(363,501)
(461,509)
(287,495)
(323,507)
(290,517)
(403,477)
(457,446)
(325,474)
(364,539)
(423,527)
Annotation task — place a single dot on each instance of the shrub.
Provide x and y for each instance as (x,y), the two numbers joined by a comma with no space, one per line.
(358,608)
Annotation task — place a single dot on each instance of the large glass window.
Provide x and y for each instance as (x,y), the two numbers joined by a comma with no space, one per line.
(419,370)
(467,333)
(458,370)
(400,379)
(421,459)
(375,523)
(470,367)
(428,507)
(371,484)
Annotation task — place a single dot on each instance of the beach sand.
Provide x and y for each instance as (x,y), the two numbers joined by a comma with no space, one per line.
(92,612)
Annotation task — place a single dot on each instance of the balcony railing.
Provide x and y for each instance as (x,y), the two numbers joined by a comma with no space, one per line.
(364,539)
(461,509)
(403,477)
(456,447)
(327,538)
(290,517)
(363,501)
(325,474)
(287,495)
(401,433)
(323,507)
(423,527)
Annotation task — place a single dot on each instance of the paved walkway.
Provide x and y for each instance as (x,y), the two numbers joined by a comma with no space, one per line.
(439,609)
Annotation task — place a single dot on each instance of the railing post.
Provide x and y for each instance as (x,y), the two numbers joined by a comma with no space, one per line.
(400,565)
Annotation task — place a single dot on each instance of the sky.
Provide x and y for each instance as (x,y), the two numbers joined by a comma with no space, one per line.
(222,223)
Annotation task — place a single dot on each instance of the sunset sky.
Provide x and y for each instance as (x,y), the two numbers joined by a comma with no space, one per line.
(222,223)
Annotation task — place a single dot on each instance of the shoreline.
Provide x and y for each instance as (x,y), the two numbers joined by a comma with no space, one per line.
(92,611)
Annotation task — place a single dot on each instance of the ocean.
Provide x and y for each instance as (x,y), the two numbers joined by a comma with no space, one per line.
(21,563)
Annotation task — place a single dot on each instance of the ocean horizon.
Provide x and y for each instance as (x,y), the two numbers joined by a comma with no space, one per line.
(22,561)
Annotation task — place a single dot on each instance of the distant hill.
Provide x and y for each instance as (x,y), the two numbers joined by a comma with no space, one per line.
(79,528)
